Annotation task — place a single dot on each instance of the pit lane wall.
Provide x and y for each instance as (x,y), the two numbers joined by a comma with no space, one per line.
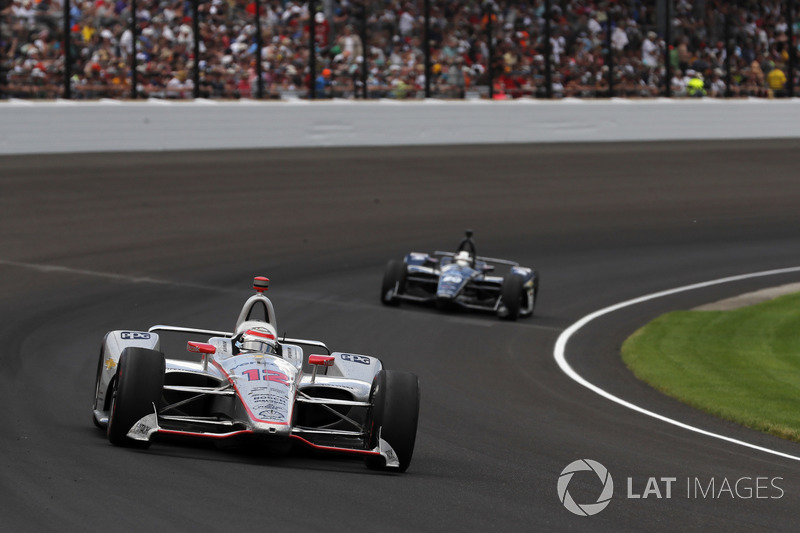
(69,126)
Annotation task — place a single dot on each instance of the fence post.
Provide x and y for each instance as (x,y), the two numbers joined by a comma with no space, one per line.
(668,50)
(548,49)
(489,11)
(259,46)
(196,32)
(312,50)
(792,49)
(426,47)
(364,50)
(134,77)
(728,51)
(67,52)
(610,55)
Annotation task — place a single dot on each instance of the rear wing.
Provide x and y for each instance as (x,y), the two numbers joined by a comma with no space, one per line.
(228,334)
(481,258)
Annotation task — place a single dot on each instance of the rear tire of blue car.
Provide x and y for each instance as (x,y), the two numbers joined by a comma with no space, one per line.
(137,387)
(394,276)
(394,414)
(513,295)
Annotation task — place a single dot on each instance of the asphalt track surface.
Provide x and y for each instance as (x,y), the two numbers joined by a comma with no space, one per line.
(94,242)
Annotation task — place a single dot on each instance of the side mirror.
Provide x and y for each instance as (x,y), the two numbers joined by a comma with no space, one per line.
(322,360)
(201,347)
(319,360)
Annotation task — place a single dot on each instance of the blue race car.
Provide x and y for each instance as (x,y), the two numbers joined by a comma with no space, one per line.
(461,279)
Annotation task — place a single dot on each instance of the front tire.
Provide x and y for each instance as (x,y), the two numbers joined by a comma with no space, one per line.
(512,292)
(137,386)
(394,276)
(395,414)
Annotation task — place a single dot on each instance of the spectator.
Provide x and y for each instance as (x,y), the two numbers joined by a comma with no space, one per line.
(678,84)
(323,82)
(350,46)
(31,64)
(650,51)
(696,86)
(180,85)
(776,82)
(619,38)
(717,87)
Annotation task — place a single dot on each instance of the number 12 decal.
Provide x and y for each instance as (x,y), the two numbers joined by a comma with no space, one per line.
(255,374)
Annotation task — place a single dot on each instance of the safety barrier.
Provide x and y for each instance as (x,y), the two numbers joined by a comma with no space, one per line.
(113,125)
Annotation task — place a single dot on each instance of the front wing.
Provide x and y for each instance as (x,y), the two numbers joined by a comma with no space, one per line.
(479,294)
(148,426)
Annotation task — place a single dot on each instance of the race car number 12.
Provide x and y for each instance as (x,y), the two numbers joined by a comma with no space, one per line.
(255,374)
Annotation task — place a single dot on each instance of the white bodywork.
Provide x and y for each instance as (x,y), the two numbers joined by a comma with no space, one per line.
(259,392)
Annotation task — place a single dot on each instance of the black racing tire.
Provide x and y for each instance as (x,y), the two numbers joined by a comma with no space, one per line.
(535,291)
(394,415)
(395,274)
(137,386)
(512,292)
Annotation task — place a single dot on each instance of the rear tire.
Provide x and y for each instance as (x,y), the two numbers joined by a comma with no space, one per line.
(512,293)
(395,275)
(137,386)
(395,414)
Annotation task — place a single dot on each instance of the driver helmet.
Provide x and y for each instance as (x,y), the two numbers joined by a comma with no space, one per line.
(258,339)
(463,258)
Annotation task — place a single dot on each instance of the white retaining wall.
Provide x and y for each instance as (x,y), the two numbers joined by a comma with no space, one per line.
(69,126)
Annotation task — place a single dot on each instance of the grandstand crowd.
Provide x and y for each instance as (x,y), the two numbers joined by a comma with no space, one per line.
(101,44)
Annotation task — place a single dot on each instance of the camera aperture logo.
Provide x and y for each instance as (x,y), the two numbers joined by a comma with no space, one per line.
(585,509)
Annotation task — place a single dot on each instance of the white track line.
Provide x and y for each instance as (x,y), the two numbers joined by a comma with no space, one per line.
(561,360)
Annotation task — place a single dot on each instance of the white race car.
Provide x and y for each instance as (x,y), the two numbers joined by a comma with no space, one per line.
(250,385)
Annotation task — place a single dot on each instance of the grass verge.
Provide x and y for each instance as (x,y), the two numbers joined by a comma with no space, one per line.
(741,365)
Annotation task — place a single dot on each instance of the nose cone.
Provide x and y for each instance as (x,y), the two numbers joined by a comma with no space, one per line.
(450,283)
(272,429)
(446,291)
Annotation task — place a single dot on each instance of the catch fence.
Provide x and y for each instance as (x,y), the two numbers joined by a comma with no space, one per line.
(262,49)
